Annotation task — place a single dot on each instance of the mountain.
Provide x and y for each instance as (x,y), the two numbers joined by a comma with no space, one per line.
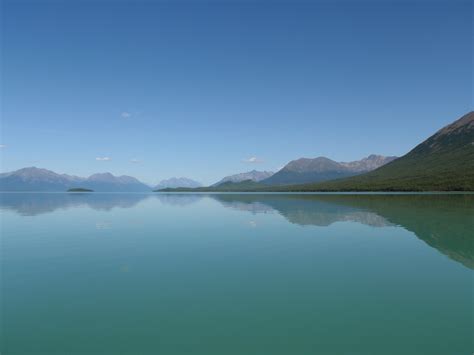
(36,179)
(306,170)
(177,182)
(106,182)
(443,162)
(253,175)
(370,163)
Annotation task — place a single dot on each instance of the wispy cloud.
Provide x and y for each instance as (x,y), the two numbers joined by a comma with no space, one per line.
(135,161)
(125,114)
(2,146)
(253,160)
(103,158)
(253,224)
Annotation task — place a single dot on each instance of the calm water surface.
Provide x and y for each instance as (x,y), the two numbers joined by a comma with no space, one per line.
(236,274)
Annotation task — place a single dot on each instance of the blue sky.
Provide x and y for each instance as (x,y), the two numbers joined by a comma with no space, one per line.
(156,89)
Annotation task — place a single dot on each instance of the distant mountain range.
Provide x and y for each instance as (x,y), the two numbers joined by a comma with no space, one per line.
(307,170)
(322,169)
(109,182)
(253,175)
(177,182)
(35,179)
(443,162)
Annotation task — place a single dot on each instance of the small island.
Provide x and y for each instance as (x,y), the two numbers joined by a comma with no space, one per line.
(79,189)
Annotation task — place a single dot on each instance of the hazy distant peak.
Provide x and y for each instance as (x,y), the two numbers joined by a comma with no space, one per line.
(34,173)
(101,177)
(72,177)
(127,179)
(109,177)
(253,175)
(37,179)
(369,163)
(176,182)
(31,170)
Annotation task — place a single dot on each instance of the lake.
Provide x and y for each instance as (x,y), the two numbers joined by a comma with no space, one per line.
(236,273)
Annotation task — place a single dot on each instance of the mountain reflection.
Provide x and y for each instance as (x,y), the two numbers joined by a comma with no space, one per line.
(444,222)
(32,204)
(301,209)
(180,200)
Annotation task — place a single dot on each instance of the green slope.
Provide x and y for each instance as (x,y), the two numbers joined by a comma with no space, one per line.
(444,162)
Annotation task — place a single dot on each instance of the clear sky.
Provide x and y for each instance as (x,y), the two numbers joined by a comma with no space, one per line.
(203,89)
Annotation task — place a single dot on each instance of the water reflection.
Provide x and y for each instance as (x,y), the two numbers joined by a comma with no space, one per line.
(180,200)
(301,209)
(32,204)
(442,221)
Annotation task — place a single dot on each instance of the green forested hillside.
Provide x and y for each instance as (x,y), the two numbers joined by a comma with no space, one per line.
(443,162)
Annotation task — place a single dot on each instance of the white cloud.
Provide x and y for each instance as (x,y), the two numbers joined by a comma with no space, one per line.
(135,161)
(103,158)
(2,146)
(125,114)
(253,160)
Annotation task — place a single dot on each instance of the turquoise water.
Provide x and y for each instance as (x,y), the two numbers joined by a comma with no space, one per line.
(236,274)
